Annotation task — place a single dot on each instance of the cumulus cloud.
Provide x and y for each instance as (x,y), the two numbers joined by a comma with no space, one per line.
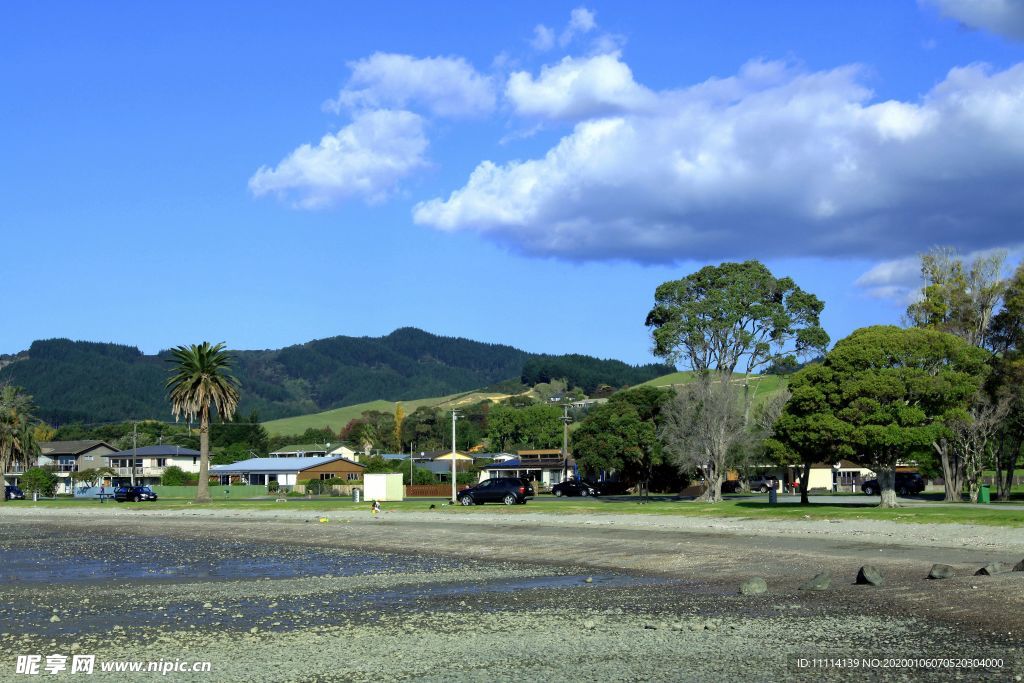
(898,280)
(581,21)
(365,159)
(577,89)
(773,161)
(444,86)
(543,38)
(1004,17)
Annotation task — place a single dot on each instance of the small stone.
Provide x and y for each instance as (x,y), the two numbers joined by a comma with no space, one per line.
(254,629)
(272,605)
(117,627)
(677,626)
(207,605)
(54,619)
(992,568)
(696,626)
(754,586)
(941,571)
(651,627)
(820,582)
(589,579)
(869,575)
(711,626)
(589,625)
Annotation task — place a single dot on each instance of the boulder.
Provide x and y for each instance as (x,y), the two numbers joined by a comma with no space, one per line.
(992,568)
(869,575)
(1019,567)
(941,571)
(754,586)
(820,582)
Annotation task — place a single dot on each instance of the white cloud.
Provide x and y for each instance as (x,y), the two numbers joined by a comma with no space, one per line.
(1005,17)
(444,86)
(543,38)
(577,89)
(581,20)
(898,280)
(771,162)
(364,159)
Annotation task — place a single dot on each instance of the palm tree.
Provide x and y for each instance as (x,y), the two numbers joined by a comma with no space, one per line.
(16,441)
(200,378)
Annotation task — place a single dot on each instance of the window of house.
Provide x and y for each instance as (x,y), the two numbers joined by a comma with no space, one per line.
(326,475)
(161,462)
(352,476)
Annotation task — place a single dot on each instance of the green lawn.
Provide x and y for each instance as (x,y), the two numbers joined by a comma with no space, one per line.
(737,509)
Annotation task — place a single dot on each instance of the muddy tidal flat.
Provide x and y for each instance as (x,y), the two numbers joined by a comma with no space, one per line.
(441,598)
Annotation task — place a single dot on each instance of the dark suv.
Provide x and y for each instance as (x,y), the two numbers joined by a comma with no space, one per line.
(907,483)
(134,493)
(574,487)
(13,493)
(507,490)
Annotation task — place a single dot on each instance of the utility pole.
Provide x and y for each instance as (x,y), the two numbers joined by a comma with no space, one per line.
(565,440)
(135,446)
(455,416)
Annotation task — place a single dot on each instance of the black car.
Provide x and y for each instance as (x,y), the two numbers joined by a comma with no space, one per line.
(134,494)
(907,483)
(507,490)
(13,493)
(732,486)
(574,487)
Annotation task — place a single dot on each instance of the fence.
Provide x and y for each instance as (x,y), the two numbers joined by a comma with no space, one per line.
(431,490)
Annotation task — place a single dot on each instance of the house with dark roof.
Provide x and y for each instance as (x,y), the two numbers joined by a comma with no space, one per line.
(67,458)
(544,466)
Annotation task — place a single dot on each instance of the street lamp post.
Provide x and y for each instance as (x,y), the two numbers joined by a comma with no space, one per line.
(455,416)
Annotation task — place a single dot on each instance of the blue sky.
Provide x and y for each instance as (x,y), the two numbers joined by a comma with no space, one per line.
(524,173)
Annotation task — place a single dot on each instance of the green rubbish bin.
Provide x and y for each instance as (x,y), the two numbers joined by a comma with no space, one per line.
(984,496)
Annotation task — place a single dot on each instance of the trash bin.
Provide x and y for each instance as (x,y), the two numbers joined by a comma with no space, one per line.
(984,496)
(773,495)
(355,495)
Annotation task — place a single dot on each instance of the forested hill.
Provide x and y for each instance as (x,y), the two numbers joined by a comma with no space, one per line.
(89,382)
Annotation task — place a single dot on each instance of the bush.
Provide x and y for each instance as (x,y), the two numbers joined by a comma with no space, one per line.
(273,487)
(38,479)
(174,476)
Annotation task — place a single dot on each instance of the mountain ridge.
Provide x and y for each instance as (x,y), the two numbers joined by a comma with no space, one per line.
(93,382)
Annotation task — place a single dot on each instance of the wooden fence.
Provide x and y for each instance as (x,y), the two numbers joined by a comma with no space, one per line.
(431,490)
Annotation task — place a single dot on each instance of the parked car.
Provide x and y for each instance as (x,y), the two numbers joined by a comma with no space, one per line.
(574,487)
(507,490)
(763,483)
(134,494)
(13,493)
(731,486)
(907,484)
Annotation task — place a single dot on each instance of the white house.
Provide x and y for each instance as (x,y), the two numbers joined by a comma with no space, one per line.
(147,464)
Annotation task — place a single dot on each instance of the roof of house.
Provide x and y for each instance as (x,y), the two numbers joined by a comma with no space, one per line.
(529,464)
(167,450)
(844,464)
(282,465)
(434,455)
(393,456)
(303,448)
(71,447)
(540,451)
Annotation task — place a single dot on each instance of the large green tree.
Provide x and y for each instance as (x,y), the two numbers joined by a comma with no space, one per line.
(201,379)
(716,321)
(1007,381)
(621,436)
(893,392)
(807,431)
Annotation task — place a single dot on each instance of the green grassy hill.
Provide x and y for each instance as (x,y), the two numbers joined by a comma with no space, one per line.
(764,386)
(339,417)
